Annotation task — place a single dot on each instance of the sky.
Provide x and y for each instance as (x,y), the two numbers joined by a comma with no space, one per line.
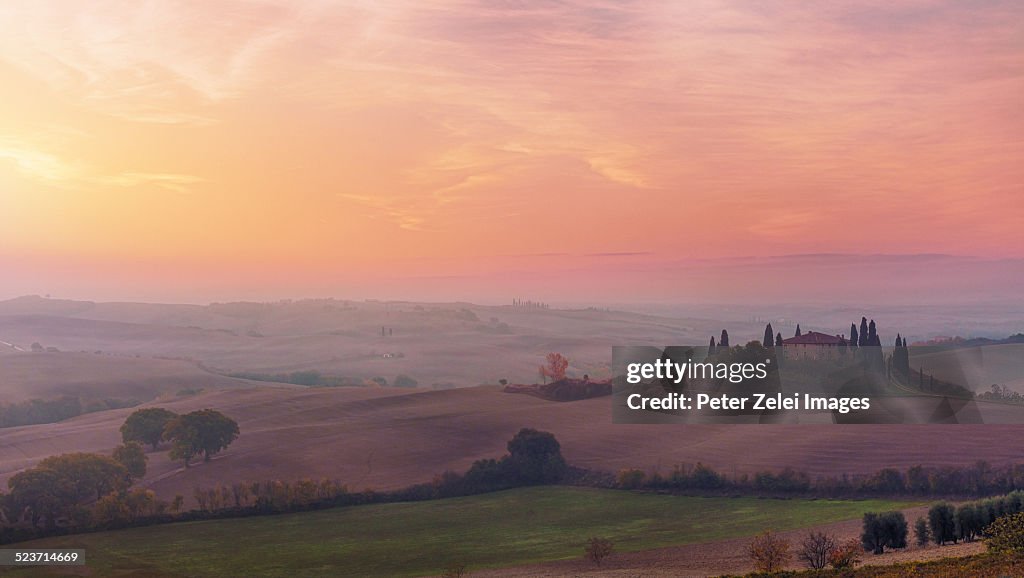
(191,151)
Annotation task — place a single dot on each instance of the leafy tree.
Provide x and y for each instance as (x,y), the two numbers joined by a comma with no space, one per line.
(205,432)
(885,530)
(769,552)
(942,523)
(59,484)
(922,535)
(41,491)
(968,522)
(598,549)
(769,336)
(555,366)
(816,549)
(535,457)
(133,458)
(146,425)
(1006,535)
(88,476)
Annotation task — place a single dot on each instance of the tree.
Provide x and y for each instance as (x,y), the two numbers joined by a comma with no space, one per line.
(555,366)
(885,530)
(769,336)
(724,341)
(942,523)
(921,533)
(205,432)
(535,457)
(146,425)
(711,347)
(798,334)
(853,336)
(133,458)
(59,484)
(769,552)
(598,549)
(41,491)
(863,342)
(816,549)
(88,476)
(968,523)
(778,339)
(1006,534)
(405,381)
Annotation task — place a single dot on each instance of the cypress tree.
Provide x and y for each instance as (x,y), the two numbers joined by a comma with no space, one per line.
(724,341)
(778,339)
(797,330)
(863,340)
(711,347)
(898,340)
(904,342)
(853,335)
(871,332)
(769,340)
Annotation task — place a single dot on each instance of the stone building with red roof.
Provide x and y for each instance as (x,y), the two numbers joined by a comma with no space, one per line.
(813,345)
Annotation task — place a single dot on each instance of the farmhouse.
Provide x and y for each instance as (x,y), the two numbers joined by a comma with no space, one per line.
(813,345)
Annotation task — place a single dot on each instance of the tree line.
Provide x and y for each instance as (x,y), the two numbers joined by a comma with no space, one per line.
(39,411)
(979,479)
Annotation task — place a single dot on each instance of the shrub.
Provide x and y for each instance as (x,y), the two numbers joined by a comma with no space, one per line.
(454,570)
(630,479)
(598,549)
(846,555)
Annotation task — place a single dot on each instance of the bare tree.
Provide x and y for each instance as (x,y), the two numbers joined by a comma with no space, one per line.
(816,549)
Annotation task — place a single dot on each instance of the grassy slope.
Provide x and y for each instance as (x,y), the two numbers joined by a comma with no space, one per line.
(411,539)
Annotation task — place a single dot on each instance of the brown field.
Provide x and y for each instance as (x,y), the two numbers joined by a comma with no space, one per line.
(386,438)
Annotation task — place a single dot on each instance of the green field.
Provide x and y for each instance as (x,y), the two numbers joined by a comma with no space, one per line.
(421,538)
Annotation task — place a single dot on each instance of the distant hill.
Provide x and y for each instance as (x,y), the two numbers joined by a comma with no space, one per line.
(970,342)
